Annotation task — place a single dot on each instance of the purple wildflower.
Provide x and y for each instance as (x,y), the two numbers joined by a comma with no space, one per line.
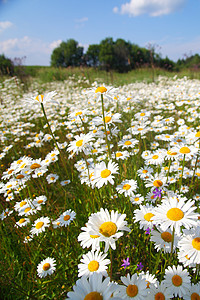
(126,263)
(140,266)
(157,193)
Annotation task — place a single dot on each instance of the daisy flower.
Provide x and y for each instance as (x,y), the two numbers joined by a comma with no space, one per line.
(134,288)
(163,240)
(104,174)
(87,240)
(93,287)
(137,199)
(40,225)
(48,97)
(189,244)
(149,278)
(127,187)
(159,292)
(81,143)
(96,92)
(22,222)
(193,293)
(128,143)
(186,151)
(46,267)
(51,178)
(174,213)
(121,155)
(156,158)
(157,181)
(144,215)
(108,226)
(177,281)
(66,218)
(93,262)
(65,182)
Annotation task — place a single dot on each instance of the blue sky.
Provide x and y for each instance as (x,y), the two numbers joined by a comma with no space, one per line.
(33,28)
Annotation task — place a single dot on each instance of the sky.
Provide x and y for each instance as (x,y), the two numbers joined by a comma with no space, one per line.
(31,29)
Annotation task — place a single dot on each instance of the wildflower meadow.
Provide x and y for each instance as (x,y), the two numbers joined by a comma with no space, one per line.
(100,190)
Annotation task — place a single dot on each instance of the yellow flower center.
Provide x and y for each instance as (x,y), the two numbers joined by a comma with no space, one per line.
(142,114)
(159,296)
(127,143)
(170,152)
(66,218)
(94,151)
(101,89)
(105,173)
(198,174)
(22,203)
(20,176)
(21,221)
(93,266)
(93,296)
(132,290)
(38,99)
(94,131)
(197,134)
(52,178)
(19,161)
(144,171)
(27,209)
(196,243)
(35,166)
(46,266)
(184,150)
(157,183)
(195,296)
(155,156)
(107,119)
(10,172)
(79,143)
(39,225)
(8,186)
(118,154)
(126,186)
(94,236)
(108,228)
(40,201)
(166,236)
(148,217)
(177,280)
(136,199)
(78,113)
(175,214)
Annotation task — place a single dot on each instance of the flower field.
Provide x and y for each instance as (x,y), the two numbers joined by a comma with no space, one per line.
(100,190)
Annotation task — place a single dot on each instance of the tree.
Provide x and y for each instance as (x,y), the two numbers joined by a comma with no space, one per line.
(106,54)
(67,54)
(6,66)
(122,55)
(92,55)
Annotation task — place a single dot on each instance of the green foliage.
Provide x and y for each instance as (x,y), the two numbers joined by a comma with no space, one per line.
(67,54)
(92,55)
(6,66)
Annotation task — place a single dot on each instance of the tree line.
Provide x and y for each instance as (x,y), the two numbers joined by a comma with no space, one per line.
(119,55)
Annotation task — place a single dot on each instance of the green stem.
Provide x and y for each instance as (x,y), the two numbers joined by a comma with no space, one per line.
(181,179)
(109,153)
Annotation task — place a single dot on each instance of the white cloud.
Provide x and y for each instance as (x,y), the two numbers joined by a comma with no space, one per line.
(36,51)
(82,20)
(154,8)
(55,44)
(4,25)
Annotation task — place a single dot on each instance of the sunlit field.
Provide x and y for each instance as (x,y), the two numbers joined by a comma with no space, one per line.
(100,189)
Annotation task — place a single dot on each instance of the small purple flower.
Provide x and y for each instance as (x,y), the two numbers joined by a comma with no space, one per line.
(126,263)
(140,266)
(148,230)
(157,193)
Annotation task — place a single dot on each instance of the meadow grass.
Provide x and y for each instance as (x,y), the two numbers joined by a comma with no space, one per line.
(42,145)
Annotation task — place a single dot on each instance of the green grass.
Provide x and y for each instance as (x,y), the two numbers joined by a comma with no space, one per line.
(19,260)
